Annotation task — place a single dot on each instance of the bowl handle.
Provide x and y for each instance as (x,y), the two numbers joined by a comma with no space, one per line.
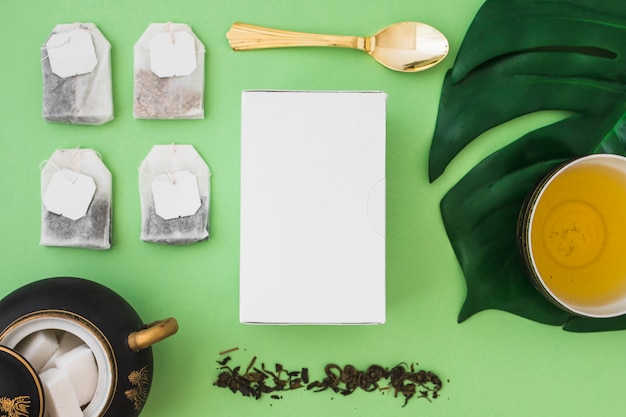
(154,332)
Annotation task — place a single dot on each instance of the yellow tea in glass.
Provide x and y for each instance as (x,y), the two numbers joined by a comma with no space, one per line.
(576,236)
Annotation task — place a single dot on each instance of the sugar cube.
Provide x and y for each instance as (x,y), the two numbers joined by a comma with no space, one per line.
(38,348)
(67,342)
(61,399)
(82,370)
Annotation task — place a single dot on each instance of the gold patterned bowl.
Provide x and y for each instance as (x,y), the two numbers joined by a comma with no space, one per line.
(91,313)
(572,235)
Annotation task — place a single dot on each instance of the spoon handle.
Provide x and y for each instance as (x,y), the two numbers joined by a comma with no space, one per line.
(243,36)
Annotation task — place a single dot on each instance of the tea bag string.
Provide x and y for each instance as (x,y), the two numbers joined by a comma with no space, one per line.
(170,30)
(67,39)
(174,167)
(146,172)
(57,167)
(75,163)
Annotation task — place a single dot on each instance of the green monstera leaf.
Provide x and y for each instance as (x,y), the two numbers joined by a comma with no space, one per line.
(520,57)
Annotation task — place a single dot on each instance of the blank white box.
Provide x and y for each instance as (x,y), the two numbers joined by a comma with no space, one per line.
(312,248)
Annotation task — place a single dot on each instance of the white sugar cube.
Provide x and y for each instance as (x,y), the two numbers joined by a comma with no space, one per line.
(82,370)
(67,342)
(60,397)
(38,348)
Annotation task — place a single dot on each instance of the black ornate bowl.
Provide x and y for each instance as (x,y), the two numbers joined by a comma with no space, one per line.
(105,322)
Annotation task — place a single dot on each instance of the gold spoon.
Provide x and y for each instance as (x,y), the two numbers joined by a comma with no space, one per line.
(405,46)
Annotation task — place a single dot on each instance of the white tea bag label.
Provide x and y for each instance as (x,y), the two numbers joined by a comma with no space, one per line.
(71,53)
(176,195)
(172,54)
(69,194)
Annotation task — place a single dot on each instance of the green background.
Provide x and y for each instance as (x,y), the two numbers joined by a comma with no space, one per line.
(496,363)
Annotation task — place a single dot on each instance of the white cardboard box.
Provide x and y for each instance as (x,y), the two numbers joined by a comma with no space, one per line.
(312,207)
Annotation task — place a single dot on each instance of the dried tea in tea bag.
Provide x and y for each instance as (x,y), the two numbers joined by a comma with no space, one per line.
(76,200)
(76,66)
(175,195)
(169,73)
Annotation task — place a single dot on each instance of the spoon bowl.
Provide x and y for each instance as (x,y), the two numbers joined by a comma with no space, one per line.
(404,46)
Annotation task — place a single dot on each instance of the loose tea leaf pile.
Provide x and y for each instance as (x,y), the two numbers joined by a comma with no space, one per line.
(403,379)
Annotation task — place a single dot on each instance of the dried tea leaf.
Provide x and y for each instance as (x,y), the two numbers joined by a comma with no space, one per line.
(402,378)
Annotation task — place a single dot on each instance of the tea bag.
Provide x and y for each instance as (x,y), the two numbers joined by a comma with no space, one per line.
(76,66)
(175,193)
(169,73)
(76,200)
